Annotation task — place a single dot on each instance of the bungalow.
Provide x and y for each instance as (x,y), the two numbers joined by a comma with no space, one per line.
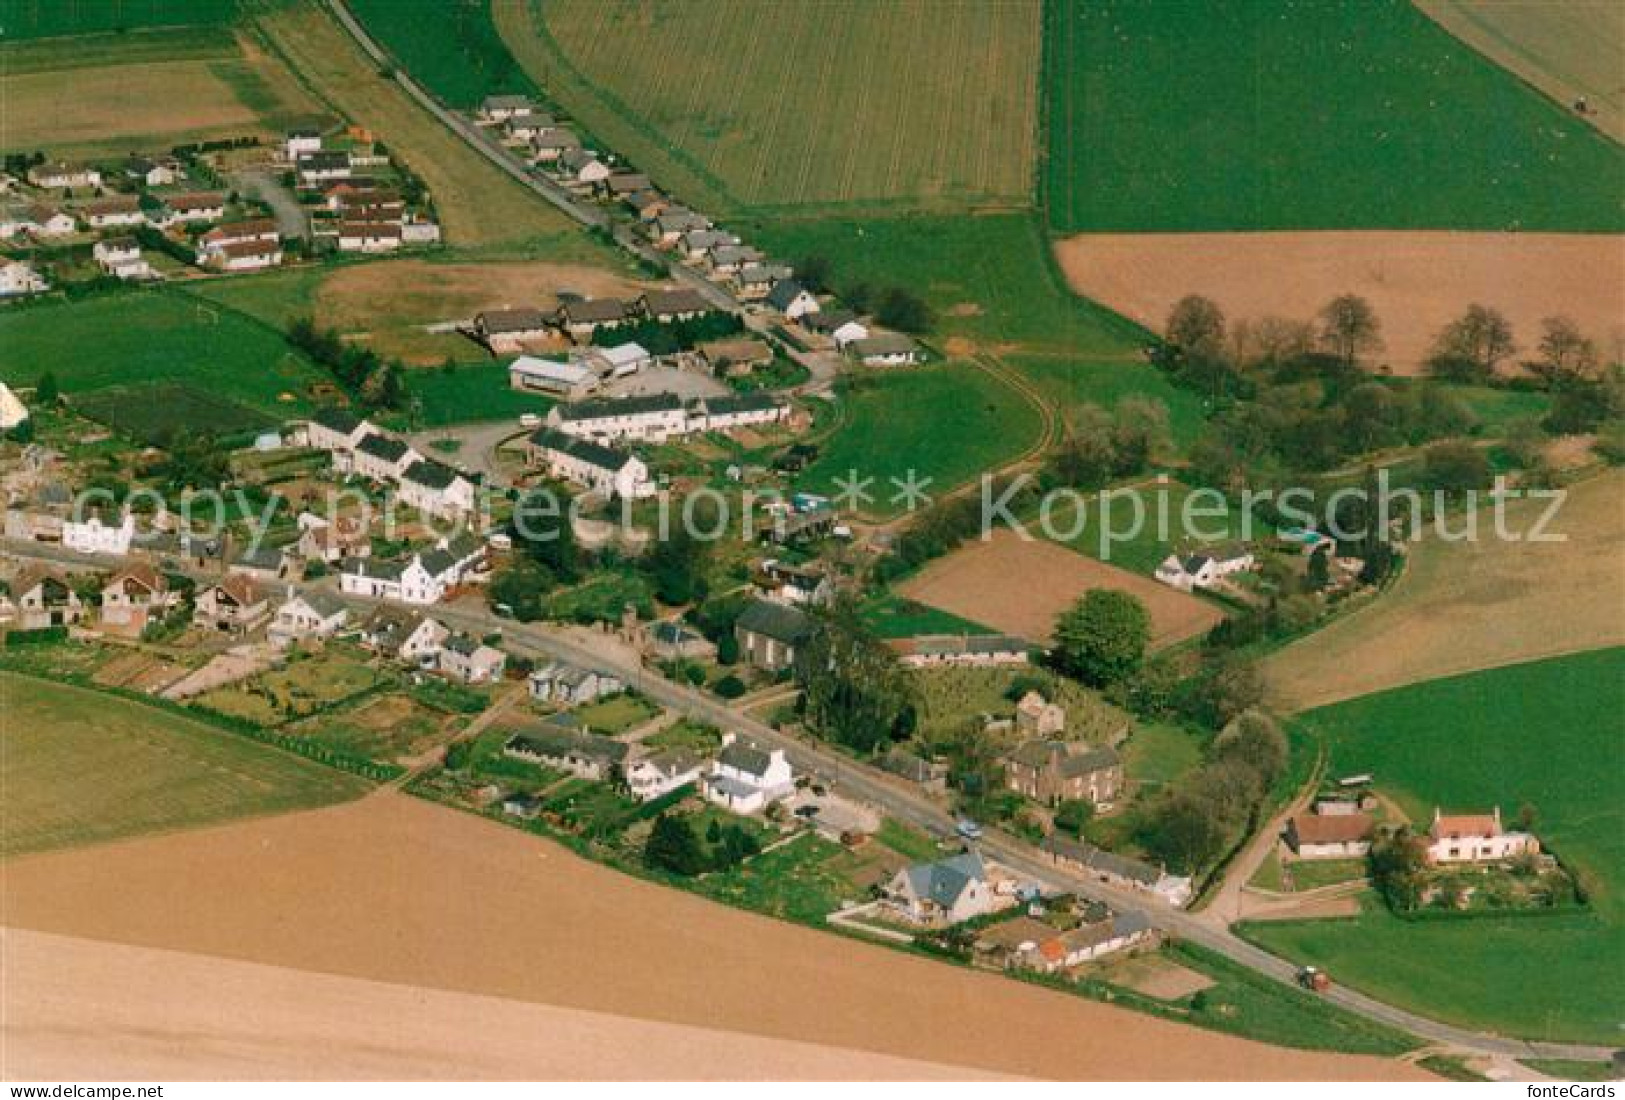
(727,259)
(469,661)
(770,633)
(508,330)
(886,349)
(753,282)
(324,165)
(667,228)
(328,542)
(36,219)
(583,755)
(90,534)
(239,232)
(572,379)
(961,650)
(1329,836)
(193,206)
(500,108)
(586,316)
(134,596)
(548,143)
(658,774)
(621,184)
(519,129)
(369,237)
(244,256)
(380,457)
(59,174)
(598,468)
(1203,569)
(746,778)
(114,210)
(795,584)
(654,416)
(673,640)
(350,196)
(570,686)
(736,357)
(17,278)
(152,172)
(44,599)
(840,325)
(1088,942)
(1053,772)
(735,410)
(792,299)
(403,636)
(233,605)
(1118,870)
(666,306)
(259,562)
(930,775)
(301,143)
(696,244)
(436,489)
(308,615)
(1475,838)
(947,891)
(121,258)
(580,168)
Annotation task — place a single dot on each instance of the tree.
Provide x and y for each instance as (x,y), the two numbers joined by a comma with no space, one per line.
(1254,740)
(1318,574)
(672,846)
(1196,327)
(1142,432)
(1456,466)
(1371,417)
(728,650)
(904,311)
(523,586)
(1086,458)
(855,688)
(1349,329)
(1472,346)
(1187,830)
(1399,868)
(678,565)
(542,531)
(1073,814)
(1101,639)
(46,390)
(1565,352)
(814,273)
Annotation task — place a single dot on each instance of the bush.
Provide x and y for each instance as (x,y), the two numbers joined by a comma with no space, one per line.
(730,687)
(45,635)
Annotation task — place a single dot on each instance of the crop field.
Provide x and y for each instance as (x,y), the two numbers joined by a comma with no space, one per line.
(909,103)
(150,413)
(1333,114)
(947,423)
(1568,50)
(156,336)
(1461,606)
(25,19)
(1417,282)
(1019,586)
(450,47)
(80,767)
(477,203)
(1545,733)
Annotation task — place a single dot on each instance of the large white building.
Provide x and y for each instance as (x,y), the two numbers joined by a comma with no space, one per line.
(1475,838)
(424,578)
(655,417)
(598,468)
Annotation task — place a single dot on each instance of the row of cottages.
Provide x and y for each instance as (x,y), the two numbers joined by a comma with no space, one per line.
(121,258)
(1117,870)
(408,637)
(611,472)
(1204,568)
(658,417)
(62,175)
(357,447)
(1029,944)
(561,747)
(568,686)
(424,578)
(946,891)
(770,634)
(747,778)
(1052,772)
(249,245)
(961,650)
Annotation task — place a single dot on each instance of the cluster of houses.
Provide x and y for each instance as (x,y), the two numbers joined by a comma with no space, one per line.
(354,211)
(358,447)
(577,320)
(1344,828)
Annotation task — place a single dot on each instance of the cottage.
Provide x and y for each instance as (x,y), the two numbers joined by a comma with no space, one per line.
(573,379)
(121,258)
(1089,942)
(548,143)
(583,755)
(658,774)
(961,650)
(500,108)
(736,357)
(506,331)
(1329,836)
(243,256)
(380,457)
(324,165)
(436,489)
(668,306)
(1118,870)
(1053,772)
(736,410)
(134,597)
(569,686)
(45,599)
(945,892)
(416,580)
(586,316)
(1475,838)
(769,634)
(1038,717)
(306,616)
(114,210)
(18,279)
(193,206)
(234,605)
(598,468)
(792,299)
(469,661)
(886,349)
(90,534)
(58,174)
(369,237)
(404,636)
(840,325)
(152,172)
(746,778)
(581,169)
(1203,569)
(336,430)
(674,640)
(621,184)
(655,417)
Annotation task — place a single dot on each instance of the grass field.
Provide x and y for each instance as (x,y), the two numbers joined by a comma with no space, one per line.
(80,767)
(450,47)
(155,336)
(477,203)
(1158,754)
(910,103)
(49,18)
(1333,114)
(1546,733)
(1136,528)
(112,94)
(1461,606)
(152,412)
(1068,383)
(469,392)
(948,423)
(892,616)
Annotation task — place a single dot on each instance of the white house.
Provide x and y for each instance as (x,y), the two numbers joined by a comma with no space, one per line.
(658,774)
(337,430)
(114,210)
(301,143)
(470,661)
(121,258)
(407,581)
(380,457)
(597,467)
(243,256)
(547,143)
(92,536)
(792,299)
(1203,569)
(151,172)
(947,891)
(655,417)
(436,489)
(1475,838)
(311,615)
(735,410)
(572,379)
(580,168)
(59,174)
(194,206)
(840,325)
(886,349)
(746,778)
(567,685)
(369,237)
(408,637)
(1329,836)
(17,278)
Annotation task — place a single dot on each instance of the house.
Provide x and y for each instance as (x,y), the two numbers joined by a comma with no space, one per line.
(658,774)
(420,231)
(35,219)
(746,778)
(947,891)
(519,129)
(44,599)
(469,661)
(324,165)
(668,227)
(410,581)
(1053,772)
(1329,836)
(526,807)
(570,686)
(572,379)
(369,237)
(380,457)
(754,282)
(795,584)
(506,331)
(121,258)
(259,561)
(840,325)
(621,184)
(404,636)
(92,535)
(792,299)
(193,206)
(697,244)
(583,755)
(653,416)
(152,172)
(234,605)
(301,143)
(1038,717)
(1094,940)
(114,210)
(60,174)
(238,232)
(886,349)
(668,306)
(788,528)
(580,168)
(1117,870)
(12,410)
(674,640)
(326,542)
(586,316)
(736,357)
(961,650)
(735,410)
(133,597)
(362,200)
(1203,569)
(1475,838)
(336,430)
(17,279)
(601,469)
(647,205)
(243,256)
(307,615)
(727,259)
(548,143)
(770,633)
(500,108)
(930,775)
(436,489)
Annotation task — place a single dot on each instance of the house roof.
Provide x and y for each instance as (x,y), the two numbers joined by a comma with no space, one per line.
(549,740)
(505,102)
(1331,828)
(430,474)
(576,159)
(583,450)
(142,574)
(945,880)
(555,137)
(336,419)
(828,320)
(1110,863)
(237,249)
(673,762)
(884,343)
(112,204)
(1452,826)
(952,645)
(259,556)
(625,183)
(241,590)
(747,757)
(195,200)
(784,293)
(730,404)
(323,159)
(680,300)
(603,408)
(249,227)
(378,231)
(324,604)
(593,310)
(383,446)
(778,621)
(374,568)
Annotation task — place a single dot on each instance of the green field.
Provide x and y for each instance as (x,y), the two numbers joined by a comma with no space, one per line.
(153,412)
(155,336)
(48,18)
(947,422)
(1158,753)
(82,767)
(450,47)
(1349,114)
(892,616)
(908,103)
(1069,383)
(469,392)
(1548,733)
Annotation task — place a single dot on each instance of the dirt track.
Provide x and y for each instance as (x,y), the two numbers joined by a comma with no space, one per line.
(1417,282)
(397,890)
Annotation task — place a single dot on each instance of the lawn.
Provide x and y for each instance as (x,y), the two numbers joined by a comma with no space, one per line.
(1069,383)
(299,689)
(949,697)
(450,47)
(468,392)
(910,103)
(1158,753)
(82,767)
(889,615)
(1236,115)
(907,841)
(686,734)
(1547,733)
(617,714)
(381,728)
(34,19)
(152,413)
(947,422)
(155,336)
(803,880)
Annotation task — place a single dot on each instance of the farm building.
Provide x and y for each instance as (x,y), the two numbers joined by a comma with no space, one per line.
(301,143)
(507,330)
(886,349)
(573,379)
(961,650)
(1329,836)
(736,357)
(583,755)
(549,143)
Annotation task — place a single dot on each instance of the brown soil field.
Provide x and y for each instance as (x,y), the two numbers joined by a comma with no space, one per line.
(1416,281)
(1462,606)
(1020,585)
(1565,50)
(393,889)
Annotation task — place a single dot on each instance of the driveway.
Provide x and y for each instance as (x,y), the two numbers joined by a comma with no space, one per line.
(478,453)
